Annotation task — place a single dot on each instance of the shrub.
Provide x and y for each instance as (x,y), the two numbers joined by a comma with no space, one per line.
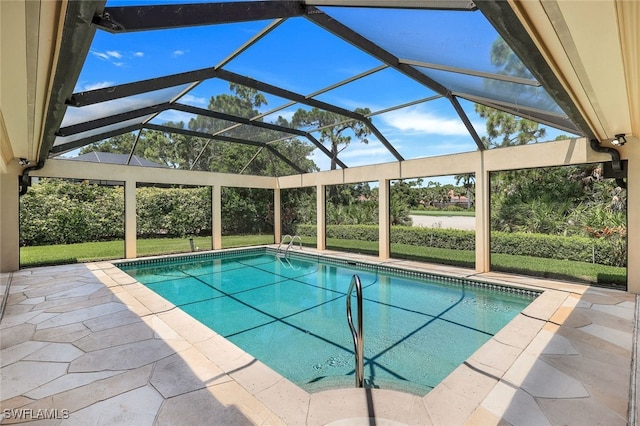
(173,212)
(603,251)
(62,212)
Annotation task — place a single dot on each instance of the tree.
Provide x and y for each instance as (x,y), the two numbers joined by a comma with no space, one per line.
(333,128)
(181,151)
(229,157)
(468,183)
(504,129)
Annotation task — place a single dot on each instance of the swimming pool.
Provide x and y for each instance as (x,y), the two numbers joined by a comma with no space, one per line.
(290,314)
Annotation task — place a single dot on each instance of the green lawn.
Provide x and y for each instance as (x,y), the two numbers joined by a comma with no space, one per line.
(551,268)
(443,213)
(89,252)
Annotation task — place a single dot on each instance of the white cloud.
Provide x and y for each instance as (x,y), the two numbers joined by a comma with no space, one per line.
(420,121)
(360,154)
(357,150)
(194,100)
(112,56)
(97,85)
(100,55)
(138,54)
(286,114)
(177,53)
(173,116)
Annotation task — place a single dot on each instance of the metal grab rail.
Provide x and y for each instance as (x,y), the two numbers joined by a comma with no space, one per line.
(358,338)
(291,241)
(282,241)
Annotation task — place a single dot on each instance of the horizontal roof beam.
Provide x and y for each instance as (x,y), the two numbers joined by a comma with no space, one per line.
(460,5)
(163,16)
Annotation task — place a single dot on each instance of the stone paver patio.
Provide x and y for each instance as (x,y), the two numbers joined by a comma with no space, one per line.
(87,344)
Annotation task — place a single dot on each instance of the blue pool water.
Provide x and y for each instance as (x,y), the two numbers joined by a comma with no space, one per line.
(290,314)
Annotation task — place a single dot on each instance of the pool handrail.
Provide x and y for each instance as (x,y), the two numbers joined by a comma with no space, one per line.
(358,337)
(291,241)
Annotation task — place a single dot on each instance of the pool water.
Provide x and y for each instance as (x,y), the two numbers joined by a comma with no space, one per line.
(291,315)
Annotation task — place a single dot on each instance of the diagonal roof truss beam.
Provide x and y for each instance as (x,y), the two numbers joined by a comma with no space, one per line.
(225,139)
(286,94)
(320,18)
(506,22)
(69,146)
(112,119)
(255,123)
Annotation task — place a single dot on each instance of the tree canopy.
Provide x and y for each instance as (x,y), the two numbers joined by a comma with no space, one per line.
(177,150)
(334,128)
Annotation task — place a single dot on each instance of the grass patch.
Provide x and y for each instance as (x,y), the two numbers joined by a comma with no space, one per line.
(591,273)
(231,241)
(443,213)
(157,246)
(464,258)
(70,253)
(109,250)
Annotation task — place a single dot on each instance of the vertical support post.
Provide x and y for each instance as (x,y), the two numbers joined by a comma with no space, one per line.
(384,225)
(9,221)
(277,216)
(321,217)
(483,216)
(216,216)
(633,221)
(130,226)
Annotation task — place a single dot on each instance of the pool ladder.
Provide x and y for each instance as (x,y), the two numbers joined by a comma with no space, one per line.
(358,338)
(291,241)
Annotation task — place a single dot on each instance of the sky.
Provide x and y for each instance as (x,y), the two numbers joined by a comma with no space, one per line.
(301,57)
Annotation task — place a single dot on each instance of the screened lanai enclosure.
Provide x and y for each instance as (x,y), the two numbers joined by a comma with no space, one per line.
(290,87)
(285,98)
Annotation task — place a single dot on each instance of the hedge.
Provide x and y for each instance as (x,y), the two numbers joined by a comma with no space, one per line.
(603,251)
(64,213)
(60,212)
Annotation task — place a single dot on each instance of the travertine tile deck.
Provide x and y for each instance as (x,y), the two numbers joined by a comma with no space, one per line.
(87,344)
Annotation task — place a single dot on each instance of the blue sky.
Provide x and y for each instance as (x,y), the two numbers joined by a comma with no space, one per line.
(301,57)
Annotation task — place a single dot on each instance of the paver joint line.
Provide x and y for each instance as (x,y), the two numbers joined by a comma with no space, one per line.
(485,373)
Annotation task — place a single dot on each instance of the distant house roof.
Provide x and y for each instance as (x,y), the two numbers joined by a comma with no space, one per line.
(111,158)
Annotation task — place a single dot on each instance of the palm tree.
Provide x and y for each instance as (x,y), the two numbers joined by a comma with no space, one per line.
(468,182)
